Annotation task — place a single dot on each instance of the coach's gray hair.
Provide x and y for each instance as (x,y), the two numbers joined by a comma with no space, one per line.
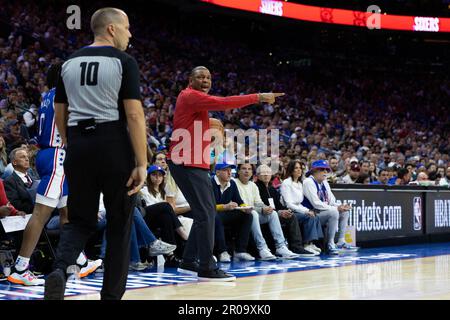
(103,17)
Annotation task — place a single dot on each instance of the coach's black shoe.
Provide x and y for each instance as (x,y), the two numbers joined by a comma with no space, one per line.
(190,268)
(55,285)
(217,275)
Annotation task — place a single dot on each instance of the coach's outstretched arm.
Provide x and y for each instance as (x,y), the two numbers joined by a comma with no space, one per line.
(136,127)
(200,101)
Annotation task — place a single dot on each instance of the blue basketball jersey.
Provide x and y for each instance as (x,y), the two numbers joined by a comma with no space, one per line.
(48,132)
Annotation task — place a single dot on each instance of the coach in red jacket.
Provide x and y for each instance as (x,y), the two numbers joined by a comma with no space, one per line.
(189,165)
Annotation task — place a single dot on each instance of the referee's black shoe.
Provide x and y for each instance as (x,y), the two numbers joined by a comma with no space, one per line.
(216,275)
(55,285)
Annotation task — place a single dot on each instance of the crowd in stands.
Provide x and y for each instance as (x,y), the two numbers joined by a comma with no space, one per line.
(370,129)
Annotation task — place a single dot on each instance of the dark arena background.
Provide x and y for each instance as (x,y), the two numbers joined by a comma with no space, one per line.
(367,94)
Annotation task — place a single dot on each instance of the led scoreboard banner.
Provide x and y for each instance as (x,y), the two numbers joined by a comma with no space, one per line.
(370,20)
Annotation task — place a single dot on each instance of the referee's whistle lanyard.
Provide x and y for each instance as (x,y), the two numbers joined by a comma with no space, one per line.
(321,191)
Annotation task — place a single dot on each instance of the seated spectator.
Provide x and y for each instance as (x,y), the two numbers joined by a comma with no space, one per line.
(20,187)
(432,167)
(352,175)
(403,177)
(291,191)
(422,180)
(410,168)
(160,215)
(261,214)
(383,177)
(335,173)
(422,177)
(440,172)
(3,156)
(32,154)
(365,167)
(289,223)
(16,135)
(392,175)
(445,181)
(8,210)
(227,201)
(433,178)
(159,159)
(372,172)
(141,236)
(363,178)
(320,199)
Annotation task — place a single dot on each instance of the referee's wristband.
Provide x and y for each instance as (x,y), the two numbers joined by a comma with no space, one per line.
(220,207)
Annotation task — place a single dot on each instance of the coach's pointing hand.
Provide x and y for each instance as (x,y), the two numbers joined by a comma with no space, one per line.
(269,97)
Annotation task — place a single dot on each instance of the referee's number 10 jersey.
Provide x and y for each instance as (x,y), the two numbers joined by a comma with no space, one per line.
(94,82)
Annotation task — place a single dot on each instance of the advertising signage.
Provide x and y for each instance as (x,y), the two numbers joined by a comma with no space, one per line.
(380,214)
(438,211)
(370,19)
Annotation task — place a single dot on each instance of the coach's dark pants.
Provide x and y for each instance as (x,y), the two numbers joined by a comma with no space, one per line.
(195,184)
(99,161)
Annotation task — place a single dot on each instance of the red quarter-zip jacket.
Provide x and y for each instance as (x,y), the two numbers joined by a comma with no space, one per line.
(189,144)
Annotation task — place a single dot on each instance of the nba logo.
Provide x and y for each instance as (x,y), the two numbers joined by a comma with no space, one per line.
(417,204)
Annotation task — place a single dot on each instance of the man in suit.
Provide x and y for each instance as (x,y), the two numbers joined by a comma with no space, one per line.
(19,186)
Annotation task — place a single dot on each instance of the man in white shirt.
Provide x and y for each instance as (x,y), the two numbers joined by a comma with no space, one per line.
(318,197)
(261,214)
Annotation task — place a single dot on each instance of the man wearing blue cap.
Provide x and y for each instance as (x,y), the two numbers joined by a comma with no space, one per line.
(320,199)
(228,200)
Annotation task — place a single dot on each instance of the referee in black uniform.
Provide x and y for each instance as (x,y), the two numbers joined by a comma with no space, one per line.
(99,115)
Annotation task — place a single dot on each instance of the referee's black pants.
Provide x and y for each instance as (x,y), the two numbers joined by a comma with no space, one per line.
(195,184)
(99,162)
